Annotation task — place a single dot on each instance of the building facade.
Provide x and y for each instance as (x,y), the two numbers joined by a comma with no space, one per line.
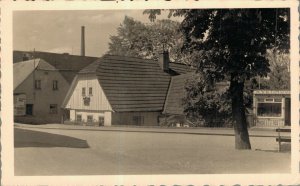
(39,90)
(272,108)
(118,90)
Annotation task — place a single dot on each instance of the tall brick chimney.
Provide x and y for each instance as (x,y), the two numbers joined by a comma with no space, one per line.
(82,41)
(164,60)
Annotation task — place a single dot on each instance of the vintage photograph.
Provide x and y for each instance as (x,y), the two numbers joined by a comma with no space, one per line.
(151,91)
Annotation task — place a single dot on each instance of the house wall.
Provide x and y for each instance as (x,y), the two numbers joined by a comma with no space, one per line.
(41,99)
(98,103)
(95,114)
(127,118)
(98,100)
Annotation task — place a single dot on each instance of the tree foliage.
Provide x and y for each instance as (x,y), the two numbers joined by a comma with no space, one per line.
(279,76)
(231,44)
(138,39)
(205,103)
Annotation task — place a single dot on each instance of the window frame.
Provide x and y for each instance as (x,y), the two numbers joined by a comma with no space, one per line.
(55,85)
(83,91)
(90,91)
(38,84)
(77,115)
(101,118)
(90,120)
(273,100)
(53,110)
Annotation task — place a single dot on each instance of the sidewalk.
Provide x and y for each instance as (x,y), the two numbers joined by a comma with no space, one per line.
(253,132)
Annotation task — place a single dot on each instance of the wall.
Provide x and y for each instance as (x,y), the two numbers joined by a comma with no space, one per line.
(126,118)
(98,104)
(95,114)
(98,101)
(41,99)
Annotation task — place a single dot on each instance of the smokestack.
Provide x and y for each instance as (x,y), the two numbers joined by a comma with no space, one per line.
(164,60)
(82,42)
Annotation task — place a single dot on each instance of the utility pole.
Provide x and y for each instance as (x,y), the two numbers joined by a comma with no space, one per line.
(33,75)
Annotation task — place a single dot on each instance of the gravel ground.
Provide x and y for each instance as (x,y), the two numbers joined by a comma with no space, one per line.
(40,151)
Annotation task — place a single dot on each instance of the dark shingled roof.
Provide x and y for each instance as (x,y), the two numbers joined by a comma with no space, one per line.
(180,68)
(91,68)
(67,64)
(132,84)
(176,93)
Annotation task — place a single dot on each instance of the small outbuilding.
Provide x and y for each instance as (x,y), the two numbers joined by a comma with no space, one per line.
(272,108)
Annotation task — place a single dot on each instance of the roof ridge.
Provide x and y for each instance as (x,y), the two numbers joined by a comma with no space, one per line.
(128,57)
(27,61)
(87,68)
(54,53)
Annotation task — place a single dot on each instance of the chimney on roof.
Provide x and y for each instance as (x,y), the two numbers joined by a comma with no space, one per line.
(164,60)
(82,42)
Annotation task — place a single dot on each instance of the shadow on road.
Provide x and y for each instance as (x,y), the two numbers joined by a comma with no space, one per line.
(30,138)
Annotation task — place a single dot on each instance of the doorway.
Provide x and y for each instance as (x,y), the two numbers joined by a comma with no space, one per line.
(29,109)
(287,112)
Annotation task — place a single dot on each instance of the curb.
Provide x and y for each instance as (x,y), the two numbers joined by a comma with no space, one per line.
(127,129)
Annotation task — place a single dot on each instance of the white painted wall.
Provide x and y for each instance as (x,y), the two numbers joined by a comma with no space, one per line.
(99,105)
(98,101)
(107,119)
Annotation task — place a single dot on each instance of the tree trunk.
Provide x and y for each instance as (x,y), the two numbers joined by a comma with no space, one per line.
(239,117)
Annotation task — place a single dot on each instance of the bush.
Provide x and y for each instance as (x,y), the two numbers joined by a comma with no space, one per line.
(207,102)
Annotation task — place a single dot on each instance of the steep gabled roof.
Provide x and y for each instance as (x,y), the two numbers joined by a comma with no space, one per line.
(23,69)
(180,68)
(91,68)
(176,93)
(67,64)
(133,84)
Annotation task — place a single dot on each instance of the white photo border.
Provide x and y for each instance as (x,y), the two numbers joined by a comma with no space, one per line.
(7,153)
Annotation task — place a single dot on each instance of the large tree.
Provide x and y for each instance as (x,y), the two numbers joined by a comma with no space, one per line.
(232,44)
(138,39)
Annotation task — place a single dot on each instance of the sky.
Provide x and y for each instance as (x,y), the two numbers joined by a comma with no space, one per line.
(60,31)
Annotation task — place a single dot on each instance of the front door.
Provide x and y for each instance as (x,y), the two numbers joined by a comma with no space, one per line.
(29,109)
(287,112)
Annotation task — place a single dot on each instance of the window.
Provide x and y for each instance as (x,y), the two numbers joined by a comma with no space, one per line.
(86,101)
(53,108)
(90,91)
(101,121)
(90,118)
(78,117)
(37,84)
(83,91)
(138,120)
(269,109)
(55,85)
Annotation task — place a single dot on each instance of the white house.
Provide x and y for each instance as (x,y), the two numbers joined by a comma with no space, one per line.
(117,90)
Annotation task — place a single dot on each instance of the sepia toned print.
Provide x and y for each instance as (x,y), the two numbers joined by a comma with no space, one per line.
(176,93)
(155,96)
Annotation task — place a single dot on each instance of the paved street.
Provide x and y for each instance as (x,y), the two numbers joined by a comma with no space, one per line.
(52,151)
